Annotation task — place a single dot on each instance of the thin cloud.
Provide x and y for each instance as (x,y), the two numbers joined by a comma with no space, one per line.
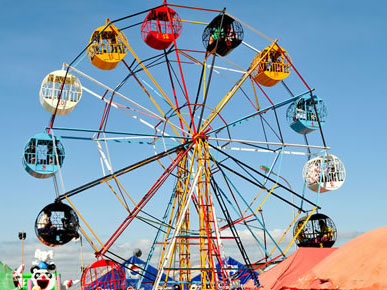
(69,258)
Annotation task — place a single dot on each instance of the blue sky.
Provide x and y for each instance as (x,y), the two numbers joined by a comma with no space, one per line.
(337,46)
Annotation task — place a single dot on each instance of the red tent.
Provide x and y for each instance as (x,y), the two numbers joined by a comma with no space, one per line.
(360,264)
(292,267)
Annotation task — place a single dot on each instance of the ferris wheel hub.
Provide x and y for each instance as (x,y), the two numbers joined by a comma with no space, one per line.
(199,136)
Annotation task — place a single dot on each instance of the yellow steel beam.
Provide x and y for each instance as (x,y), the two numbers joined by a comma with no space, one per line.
(205,229)
(116,195)
(171,216)
(184,244)
(127,194)
(195,22)
(72,205)
(299,231)
(156,84)
(251,204)
(268,193)
(89,240)
(228,96)
(284,234)
(155,103)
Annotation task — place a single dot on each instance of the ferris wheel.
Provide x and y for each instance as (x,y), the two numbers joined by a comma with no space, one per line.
(206,112)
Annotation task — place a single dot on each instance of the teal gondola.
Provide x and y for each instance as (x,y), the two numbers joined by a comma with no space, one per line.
(302,117)
(39,157)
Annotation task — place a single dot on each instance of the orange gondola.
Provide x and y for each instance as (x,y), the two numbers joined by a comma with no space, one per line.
(273,68)
(107,47)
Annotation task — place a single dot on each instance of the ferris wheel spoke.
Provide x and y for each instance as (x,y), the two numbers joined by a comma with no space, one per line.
(262,175)
(127,111)
(121,171)
(173,87)
(199,83)
(209,78)
(253,142)
(112,90)
(156,84)
(227,215)
(149,96)
(231,187)
(144,200)
(229,95)
(129,137)
(122,108)
(181,73)
(255,114)
(274,151)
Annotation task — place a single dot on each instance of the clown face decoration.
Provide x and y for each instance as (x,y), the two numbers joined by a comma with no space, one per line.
(44,278)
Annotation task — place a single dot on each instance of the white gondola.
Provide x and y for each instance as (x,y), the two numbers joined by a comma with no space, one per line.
(51,88)
(324,173)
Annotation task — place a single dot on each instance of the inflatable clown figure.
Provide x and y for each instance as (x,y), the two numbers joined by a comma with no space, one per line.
(43,274)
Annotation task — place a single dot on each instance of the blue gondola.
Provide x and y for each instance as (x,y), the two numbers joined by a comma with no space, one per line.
(39,158)
(302,117)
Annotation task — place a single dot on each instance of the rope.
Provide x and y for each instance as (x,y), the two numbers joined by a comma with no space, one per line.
(58,164)
(228,182)
(252,169)
(253,29)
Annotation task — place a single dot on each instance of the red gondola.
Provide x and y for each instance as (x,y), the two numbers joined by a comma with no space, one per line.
(104,274)
(161,26)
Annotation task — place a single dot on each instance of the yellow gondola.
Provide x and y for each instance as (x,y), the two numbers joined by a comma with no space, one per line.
(273,68)
(107,47)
